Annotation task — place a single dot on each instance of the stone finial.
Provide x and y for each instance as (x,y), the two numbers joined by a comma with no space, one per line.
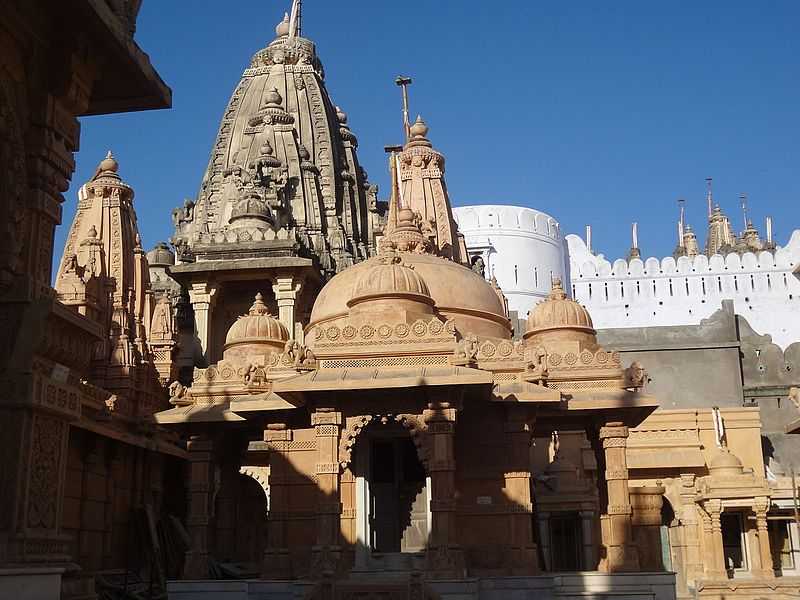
(109,163)
(557,291)
(107,166)
(282,28)
(419,129)
(258,308)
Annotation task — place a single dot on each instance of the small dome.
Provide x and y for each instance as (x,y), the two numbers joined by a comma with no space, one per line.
(160,255)
(724,462)
(256,327)
(282,28)
(558,312)
(388,277)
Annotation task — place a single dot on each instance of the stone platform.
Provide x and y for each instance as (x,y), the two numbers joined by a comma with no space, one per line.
(588,585)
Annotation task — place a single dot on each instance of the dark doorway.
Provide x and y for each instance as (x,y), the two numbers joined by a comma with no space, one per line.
(566,540)
(398,496)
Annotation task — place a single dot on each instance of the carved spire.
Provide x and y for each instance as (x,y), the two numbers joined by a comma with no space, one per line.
(423,190)
(104,246)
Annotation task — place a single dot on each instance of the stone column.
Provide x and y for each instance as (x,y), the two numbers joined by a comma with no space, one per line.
(621,554)
(587,533)
(646,504)
(286,289)
(715,559)
(444,557)
(524,559)
(760,508)
(201,480)
(327,553)
(277,563)
(201,296)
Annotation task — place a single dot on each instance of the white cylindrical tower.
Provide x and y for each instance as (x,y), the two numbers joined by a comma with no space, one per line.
(521,247)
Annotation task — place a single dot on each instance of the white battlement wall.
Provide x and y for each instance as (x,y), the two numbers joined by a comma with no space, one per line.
(657,292)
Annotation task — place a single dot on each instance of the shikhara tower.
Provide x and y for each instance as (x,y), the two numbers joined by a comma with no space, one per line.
(283,178)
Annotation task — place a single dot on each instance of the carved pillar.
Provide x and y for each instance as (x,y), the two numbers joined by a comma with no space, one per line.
(201,296)
(712,528)
(523,559)
(646,504)
(286,289)
(327,553)
(589,555)
(277,563)
(201,483)
(444,558)
(760,508)
(621,554)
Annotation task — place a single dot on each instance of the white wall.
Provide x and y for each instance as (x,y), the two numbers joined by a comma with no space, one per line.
(669,292)
(523,248)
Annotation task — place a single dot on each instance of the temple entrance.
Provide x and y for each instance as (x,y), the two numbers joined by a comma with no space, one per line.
(393,496)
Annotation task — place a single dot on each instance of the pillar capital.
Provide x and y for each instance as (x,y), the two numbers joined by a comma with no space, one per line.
(202,292)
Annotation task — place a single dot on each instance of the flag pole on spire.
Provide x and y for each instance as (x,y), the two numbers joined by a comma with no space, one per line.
(295,18)
(404,82)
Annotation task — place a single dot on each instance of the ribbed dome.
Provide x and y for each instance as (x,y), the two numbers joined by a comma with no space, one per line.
(160,256)
(724,462)
(389,277)
(558,312)
(257,327)
(459,293)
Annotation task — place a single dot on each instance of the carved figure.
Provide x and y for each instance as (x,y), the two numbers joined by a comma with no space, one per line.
(466,348)
(479,266)
(161,328)
(535,364)
(179,394)
(635,376)
(71,265)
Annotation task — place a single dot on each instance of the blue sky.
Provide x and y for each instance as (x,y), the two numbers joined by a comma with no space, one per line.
(598,113)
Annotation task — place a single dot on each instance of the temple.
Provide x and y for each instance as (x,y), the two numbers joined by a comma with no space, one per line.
(312,393)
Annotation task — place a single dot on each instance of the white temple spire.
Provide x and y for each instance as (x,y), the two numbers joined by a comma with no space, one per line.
(709,196)
(743,201)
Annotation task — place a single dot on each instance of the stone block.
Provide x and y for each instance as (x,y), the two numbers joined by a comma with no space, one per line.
(31,583)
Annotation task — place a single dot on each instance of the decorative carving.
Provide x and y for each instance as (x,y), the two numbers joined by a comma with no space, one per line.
(466,350)
(535,364)
(635,376)
(179,394)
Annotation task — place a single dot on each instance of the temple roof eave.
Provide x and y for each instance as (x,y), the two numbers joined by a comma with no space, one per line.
(197,413)
(339,379)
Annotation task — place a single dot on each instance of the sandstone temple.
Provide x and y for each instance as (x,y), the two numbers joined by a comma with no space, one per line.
(310,392)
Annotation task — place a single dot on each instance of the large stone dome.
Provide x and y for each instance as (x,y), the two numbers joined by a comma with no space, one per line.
(559,317)
(255,333)
(458,292)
